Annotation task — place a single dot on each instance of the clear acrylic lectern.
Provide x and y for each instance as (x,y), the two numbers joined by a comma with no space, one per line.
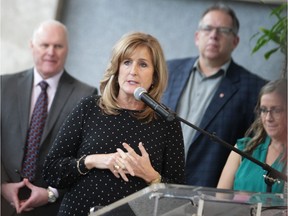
(182,200)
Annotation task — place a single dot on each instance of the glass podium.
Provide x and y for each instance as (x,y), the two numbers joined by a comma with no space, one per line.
(182,200)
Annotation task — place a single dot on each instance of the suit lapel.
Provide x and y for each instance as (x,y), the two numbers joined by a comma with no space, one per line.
(24,87)
(226,90)
(62,95)
(179,81)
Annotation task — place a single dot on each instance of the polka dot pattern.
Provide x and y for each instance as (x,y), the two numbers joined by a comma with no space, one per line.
(88,131)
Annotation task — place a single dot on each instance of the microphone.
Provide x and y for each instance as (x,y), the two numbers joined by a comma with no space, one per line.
(141,94)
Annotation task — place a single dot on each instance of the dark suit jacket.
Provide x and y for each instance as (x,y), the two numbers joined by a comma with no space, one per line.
(15,109)
(227,117)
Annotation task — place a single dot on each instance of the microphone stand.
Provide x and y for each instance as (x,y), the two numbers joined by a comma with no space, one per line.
(272,175)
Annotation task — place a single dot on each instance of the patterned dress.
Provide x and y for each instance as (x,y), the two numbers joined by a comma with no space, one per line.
(88,131)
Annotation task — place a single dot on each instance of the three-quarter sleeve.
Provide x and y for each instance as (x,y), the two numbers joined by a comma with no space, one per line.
(60,167)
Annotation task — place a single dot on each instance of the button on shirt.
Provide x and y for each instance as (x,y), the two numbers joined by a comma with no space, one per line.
(195,99)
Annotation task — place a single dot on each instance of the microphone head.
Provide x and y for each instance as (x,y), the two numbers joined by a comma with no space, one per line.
(138,92)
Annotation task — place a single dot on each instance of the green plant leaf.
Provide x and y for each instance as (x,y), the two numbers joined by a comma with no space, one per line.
(276,34)
(270,52)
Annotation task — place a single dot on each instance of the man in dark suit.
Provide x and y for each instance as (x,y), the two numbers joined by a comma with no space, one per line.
(19,93)
(214,93)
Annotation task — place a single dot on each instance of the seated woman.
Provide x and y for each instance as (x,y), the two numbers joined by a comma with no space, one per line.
(265,140)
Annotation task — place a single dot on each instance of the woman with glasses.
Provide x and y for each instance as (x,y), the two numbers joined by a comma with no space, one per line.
(265,140)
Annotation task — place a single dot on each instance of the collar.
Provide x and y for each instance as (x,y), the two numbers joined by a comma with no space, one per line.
(223,69)
(52,81)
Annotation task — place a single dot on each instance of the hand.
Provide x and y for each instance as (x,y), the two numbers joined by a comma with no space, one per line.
(10,193)
(140,164)
(38,197)
(112,161)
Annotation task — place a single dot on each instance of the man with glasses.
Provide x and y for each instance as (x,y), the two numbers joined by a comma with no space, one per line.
(214,93)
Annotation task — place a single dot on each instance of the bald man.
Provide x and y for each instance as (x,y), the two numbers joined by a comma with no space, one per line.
(19,92)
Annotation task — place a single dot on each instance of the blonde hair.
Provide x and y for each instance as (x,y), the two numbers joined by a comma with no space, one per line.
(123,49)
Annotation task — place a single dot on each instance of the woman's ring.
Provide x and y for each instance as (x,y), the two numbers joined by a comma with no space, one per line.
(116,167)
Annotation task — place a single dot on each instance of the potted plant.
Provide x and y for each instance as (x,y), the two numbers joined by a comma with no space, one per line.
(277,34)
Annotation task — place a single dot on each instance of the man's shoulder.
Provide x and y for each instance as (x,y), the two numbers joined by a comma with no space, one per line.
(13,78)
(16,74)
(181,60)
(244,74)
(181,64)
(77,83)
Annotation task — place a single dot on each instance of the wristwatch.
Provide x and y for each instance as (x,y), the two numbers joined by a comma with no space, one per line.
(51,196)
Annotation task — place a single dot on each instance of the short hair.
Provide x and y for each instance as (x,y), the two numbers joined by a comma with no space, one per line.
(123,49)
(47,23)
(226,9)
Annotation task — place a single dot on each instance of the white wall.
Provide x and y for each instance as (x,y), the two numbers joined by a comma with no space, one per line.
(95,25)
(18,20)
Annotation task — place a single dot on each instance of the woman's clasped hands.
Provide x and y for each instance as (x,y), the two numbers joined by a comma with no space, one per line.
(123,163)
(134,164)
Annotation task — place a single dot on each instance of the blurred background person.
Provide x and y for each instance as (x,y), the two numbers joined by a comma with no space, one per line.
(114,145)
(34,105)
(265,140)
(214,93)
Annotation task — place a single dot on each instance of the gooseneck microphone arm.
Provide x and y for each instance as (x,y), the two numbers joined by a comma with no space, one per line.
(272,174)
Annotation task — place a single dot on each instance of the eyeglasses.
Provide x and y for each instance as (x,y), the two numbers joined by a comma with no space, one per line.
(219,30)
(275,112)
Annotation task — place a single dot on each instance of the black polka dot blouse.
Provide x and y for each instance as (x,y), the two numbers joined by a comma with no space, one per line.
(88,131)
